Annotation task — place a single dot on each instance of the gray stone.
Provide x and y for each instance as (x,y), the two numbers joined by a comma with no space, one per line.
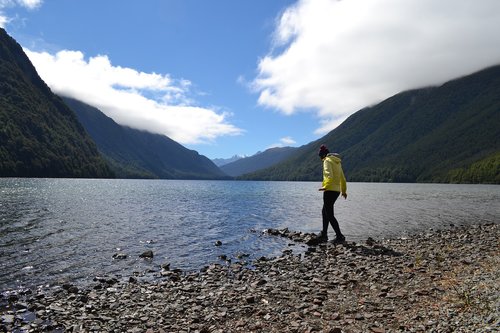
(354,287)
(147,254)
(8,319)
(119,256)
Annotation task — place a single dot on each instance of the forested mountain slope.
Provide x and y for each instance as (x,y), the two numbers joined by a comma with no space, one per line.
(449,133)
(39,135)
(138,154)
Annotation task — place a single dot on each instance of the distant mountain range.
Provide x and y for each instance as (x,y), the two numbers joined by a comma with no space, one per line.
(258,161)
(449,133)
(39,135)
(223,161)
(138,154)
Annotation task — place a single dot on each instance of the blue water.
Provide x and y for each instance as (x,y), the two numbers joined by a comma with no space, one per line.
(67,230)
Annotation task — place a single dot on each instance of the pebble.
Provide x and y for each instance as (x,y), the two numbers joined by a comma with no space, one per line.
(378,286)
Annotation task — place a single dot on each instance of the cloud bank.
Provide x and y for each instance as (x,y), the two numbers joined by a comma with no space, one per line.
(335,57)
(146,101)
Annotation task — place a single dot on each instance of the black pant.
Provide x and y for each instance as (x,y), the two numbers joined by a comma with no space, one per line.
(329,198)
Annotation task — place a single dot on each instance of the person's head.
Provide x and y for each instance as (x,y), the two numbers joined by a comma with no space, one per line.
(323,151)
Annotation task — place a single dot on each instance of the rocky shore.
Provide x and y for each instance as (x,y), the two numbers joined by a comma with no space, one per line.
(438,281)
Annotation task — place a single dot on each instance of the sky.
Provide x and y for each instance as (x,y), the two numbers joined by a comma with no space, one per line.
(226,77)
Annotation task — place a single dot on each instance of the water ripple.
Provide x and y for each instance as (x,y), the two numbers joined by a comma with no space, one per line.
(54,230)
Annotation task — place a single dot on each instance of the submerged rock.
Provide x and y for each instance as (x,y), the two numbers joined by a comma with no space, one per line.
(120,256)
(147,254)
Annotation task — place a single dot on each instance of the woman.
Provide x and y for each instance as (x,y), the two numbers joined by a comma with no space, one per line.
(334,184)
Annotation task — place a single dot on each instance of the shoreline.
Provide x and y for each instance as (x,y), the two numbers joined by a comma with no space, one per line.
(440,280)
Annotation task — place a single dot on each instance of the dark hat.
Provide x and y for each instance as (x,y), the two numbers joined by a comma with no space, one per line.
(323,151)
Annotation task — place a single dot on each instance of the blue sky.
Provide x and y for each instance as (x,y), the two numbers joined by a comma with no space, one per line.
(228,77)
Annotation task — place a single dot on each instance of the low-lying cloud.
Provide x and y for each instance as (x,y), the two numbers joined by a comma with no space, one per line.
(147,101)
(335,57)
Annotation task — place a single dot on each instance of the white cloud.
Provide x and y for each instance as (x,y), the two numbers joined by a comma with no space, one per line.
(287,140)
(147,101)
(283,142)
(335,57)
(29,4)
(3,20)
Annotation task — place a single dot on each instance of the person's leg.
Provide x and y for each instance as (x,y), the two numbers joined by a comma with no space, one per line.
(333,196)
(329,198)
(326,221)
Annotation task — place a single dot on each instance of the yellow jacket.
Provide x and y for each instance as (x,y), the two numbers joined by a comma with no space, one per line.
(333,175)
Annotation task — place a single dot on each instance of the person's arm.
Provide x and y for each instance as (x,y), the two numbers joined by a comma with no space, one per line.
(343,183)
(327,175)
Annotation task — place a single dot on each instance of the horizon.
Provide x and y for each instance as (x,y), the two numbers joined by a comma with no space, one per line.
(229,78)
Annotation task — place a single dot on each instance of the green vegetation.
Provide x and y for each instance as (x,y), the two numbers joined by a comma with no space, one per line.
(484,171)
(39,135)
(440,134)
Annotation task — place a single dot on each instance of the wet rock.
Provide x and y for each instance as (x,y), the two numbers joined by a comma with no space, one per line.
(120,256)
(370,241)
(11,298)
(70,288)
(242,255)
(349,288)
(147,254)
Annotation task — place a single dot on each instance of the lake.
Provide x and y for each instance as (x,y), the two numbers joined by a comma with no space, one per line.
(67,230)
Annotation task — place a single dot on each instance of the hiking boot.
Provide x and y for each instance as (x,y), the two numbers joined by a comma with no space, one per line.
(323,237)
(339,240)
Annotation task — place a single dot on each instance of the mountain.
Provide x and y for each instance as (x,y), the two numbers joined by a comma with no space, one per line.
(39,135)
(137,154)
(449,133)
(223,161)
(258,161)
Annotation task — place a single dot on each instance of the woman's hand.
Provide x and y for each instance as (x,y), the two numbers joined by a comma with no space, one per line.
(344,195)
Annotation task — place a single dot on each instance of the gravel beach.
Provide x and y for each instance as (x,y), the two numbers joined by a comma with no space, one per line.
(437,281)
